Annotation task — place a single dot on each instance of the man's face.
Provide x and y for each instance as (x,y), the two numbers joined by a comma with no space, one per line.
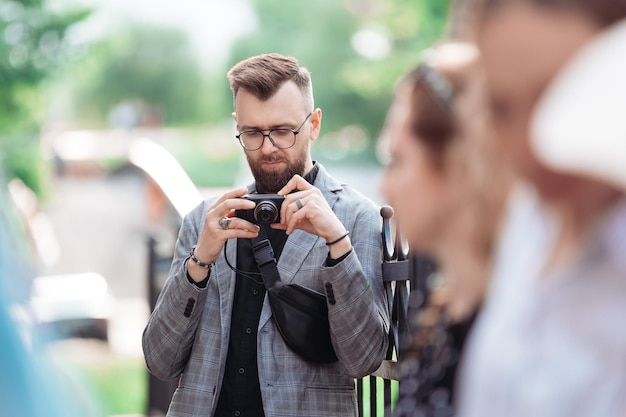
(523,48)
(273,167)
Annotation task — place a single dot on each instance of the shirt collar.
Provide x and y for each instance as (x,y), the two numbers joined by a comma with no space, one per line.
(312,174)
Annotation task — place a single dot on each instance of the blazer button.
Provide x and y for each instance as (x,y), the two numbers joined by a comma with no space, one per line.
(189,307)
(329,292)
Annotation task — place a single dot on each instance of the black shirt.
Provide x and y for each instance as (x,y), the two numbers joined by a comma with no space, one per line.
(240,395)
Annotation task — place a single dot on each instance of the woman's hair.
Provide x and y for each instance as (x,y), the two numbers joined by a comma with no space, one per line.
(448,117)
(441,82)
(263,75)
(603,12)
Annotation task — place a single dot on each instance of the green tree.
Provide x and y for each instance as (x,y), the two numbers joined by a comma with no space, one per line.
(33,45)
(139,62)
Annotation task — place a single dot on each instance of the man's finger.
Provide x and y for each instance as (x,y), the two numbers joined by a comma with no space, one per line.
(295,183)
(237,192)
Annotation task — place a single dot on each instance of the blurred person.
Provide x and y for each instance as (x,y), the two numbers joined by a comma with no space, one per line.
(550,339)
(567,133)
(32,384)
(445,206)
(212,325)
(21,382)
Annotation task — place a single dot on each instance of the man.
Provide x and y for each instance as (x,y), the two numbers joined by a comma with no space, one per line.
(212,323)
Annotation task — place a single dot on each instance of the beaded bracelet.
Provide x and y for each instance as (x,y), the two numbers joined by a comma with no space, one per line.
(199,262)
(338,240)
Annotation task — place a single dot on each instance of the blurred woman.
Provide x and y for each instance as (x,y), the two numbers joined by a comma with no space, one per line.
(446,207)
(550,340)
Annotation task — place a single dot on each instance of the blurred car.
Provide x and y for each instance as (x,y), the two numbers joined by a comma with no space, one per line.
(77,305)
(72,305)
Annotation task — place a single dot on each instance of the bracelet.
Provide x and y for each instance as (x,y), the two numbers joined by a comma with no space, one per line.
(338,240)
(200,284)
(196,260)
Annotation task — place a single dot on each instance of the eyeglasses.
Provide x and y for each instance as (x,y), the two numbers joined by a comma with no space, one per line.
(251,140)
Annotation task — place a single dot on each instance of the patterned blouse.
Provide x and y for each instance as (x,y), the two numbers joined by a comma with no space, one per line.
(428,367)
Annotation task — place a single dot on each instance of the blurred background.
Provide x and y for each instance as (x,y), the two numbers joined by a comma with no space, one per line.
(115,120)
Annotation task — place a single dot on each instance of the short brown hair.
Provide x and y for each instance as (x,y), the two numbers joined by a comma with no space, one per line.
(263,75)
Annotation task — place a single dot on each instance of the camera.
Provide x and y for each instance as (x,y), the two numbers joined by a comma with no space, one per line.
(267,209)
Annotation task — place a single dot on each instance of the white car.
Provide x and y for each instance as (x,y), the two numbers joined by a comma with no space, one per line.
(72,305)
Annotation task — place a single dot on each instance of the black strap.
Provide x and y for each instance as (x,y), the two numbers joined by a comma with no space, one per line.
(264,257)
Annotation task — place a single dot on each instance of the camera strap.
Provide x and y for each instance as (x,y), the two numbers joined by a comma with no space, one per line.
(264,257)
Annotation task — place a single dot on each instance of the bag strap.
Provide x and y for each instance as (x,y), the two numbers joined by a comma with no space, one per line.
(264,257)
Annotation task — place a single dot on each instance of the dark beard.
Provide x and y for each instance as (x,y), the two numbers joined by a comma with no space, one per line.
(271,181)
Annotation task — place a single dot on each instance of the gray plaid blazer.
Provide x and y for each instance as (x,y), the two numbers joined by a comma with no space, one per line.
(187,334)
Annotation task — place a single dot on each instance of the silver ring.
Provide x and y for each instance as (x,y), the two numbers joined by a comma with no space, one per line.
(299,204)
(224,222)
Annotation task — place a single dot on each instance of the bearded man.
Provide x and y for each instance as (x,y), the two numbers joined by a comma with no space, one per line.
(213,327)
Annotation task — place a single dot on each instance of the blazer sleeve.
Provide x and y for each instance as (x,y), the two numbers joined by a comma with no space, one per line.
(169,334)
(357,302)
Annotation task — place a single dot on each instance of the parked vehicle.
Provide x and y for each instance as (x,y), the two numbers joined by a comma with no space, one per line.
(57,306)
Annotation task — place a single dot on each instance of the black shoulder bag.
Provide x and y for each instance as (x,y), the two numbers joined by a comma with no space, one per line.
(300,313)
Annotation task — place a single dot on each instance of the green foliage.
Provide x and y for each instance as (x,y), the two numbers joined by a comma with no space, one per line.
(115,385)
(33,45)
(20,157)
(205,171)
(210,158)
(139,63)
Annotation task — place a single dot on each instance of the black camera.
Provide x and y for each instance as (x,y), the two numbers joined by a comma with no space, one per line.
(267,209)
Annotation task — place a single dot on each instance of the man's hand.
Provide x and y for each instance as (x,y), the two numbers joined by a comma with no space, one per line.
(214,235)
(308,210)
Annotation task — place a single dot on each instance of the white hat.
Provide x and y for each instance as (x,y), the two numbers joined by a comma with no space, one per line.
(579,124)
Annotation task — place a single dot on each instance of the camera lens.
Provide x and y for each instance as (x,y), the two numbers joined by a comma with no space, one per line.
(266,212)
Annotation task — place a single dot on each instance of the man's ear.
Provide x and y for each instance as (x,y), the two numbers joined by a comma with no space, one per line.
(316,123)
(234,115)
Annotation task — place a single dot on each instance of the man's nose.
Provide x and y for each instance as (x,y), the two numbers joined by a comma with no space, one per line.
(268,145)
